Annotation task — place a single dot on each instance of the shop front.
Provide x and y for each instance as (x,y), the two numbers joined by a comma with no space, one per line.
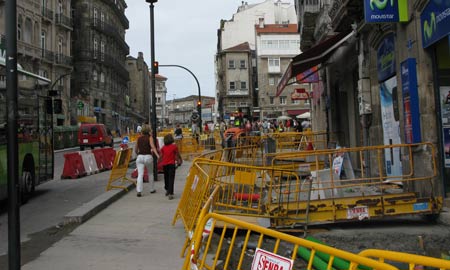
(435,26)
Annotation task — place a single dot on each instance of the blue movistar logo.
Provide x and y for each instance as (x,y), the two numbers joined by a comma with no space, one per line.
(429,26)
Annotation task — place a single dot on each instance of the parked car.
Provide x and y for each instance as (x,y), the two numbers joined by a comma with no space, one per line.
(92,135)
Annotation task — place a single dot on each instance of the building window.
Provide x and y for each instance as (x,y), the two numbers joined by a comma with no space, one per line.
(243,85)
(95,102)
(102,19)
(243,104)
(271,100)
(296,101)
(19,29)
(274,64)
(94,75)
(271,80)
(60,45)
(282,100)
(242,64)
(232,85)
(43,39)
(102,50)
(232,104)
(231,64)
(95,48)
(95,16)
(102,77)
(59,11)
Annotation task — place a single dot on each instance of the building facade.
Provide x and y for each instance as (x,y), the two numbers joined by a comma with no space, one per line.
(100,79)
(404,60)
(276,45)
(179,110)
(44,43)
(237,86)
(139,86)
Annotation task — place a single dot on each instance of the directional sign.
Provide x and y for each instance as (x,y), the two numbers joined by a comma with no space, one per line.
(80,105)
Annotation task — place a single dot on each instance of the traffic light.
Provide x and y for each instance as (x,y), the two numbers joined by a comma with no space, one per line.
(57,105)
(156,67)
(199,106)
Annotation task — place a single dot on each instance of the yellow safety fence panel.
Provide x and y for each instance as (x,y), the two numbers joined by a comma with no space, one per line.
(241,245)
(120,169)
(414,261)
(306,187)
(195,193)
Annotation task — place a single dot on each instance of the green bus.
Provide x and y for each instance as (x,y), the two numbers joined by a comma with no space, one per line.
(35,132)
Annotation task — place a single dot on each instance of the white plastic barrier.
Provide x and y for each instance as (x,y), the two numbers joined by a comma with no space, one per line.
(90,165)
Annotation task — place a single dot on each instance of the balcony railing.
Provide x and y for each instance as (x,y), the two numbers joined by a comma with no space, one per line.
(62,59)
(232,92)
(47,55)
(27,49)
(47,13)
(63,20)
(111,31)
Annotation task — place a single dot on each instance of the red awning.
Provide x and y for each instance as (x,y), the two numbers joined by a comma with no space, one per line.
(297,112)
(312,57)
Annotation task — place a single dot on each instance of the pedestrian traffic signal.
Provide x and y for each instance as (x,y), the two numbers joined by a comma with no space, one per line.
(156,67)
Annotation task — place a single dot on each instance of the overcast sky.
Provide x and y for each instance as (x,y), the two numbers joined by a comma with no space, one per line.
(185,34)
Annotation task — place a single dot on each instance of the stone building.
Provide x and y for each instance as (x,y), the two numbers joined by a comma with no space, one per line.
(44,41)
(180,110)
(100,79)
(235,61)
(276,44)
(139,86)
(365,53)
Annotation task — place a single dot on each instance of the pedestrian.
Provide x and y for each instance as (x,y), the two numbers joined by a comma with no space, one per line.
(178,132)
(170,158)
(145,146)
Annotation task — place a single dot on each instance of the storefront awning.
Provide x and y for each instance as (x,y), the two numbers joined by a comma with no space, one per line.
(297,112)
(312,57)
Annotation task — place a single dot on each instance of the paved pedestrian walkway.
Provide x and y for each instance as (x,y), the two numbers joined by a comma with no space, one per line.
(131,233)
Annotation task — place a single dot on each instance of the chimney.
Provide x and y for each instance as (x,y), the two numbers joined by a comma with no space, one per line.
(261,22)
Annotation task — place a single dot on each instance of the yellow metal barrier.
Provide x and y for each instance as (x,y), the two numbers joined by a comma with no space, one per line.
(240,245)
(119,169)
(306,187)
(412,260)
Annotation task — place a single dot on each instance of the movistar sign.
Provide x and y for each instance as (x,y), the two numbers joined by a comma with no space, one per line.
(435,21)
(385,11)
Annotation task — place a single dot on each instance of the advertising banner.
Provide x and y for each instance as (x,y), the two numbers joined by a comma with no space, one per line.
(435,21)
(391,126)
(309,76)
(445,114)
(385,11)
(386,58)
(410,93)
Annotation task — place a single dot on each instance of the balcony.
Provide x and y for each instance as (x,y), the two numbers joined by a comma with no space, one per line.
(64,21)
(119,13)
(63,60)
(27,49)
(233,92)
(345,12)
(47,14)
(47,56)
(308,14)
(111,31)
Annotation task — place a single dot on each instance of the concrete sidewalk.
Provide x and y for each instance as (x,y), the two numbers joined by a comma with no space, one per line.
(131,233)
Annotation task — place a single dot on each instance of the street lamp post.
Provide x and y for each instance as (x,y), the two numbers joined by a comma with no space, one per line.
(199,108)
(152,59)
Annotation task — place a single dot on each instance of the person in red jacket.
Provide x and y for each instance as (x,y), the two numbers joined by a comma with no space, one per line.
(170,158)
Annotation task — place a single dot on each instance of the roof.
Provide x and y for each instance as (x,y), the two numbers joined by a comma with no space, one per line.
(240,47)
(276,28)
(157,76)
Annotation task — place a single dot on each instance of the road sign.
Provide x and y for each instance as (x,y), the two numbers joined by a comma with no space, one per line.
(80,105)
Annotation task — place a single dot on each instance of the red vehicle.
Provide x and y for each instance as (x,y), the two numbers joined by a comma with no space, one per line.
(92,135)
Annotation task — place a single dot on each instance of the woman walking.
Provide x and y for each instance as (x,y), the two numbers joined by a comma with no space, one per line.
(145,146)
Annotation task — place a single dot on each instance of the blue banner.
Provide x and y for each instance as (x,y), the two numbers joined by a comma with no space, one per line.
(386,58)
(435,21)
(410,101)
(385,11)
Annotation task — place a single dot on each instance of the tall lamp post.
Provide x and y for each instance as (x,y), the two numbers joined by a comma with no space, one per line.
(152,59)
(199,102)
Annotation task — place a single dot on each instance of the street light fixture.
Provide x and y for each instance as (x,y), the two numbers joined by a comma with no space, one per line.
(152,59)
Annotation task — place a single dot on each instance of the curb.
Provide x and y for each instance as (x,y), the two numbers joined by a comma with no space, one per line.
(89,209)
